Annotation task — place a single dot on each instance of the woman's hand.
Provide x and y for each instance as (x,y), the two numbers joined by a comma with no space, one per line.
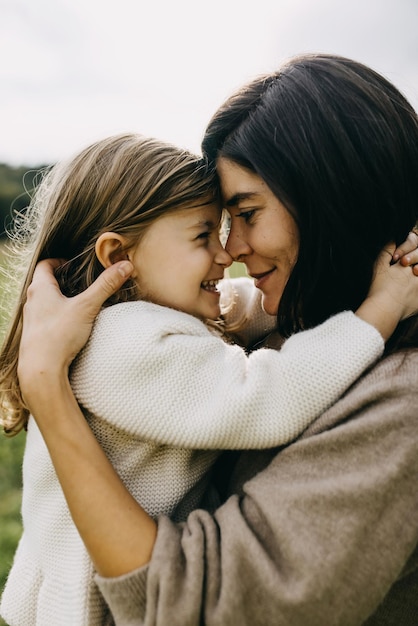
(55,328)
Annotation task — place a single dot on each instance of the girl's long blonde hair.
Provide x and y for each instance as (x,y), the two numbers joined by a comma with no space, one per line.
(120,184)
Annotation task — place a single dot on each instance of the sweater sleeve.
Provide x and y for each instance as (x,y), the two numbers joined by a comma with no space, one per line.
(245,320)
(161,376)
(319,537)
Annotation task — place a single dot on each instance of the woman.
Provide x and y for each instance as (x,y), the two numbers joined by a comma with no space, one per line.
(314,160)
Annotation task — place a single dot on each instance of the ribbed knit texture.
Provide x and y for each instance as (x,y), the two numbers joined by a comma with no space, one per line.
(162,394)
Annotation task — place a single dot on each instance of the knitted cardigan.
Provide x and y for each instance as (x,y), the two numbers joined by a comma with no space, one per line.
(163,394)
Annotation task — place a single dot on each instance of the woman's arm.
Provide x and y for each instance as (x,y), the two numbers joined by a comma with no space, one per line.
(103,510)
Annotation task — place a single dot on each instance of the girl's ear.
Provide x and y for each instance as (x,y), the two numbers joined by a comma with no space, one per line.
(109,248)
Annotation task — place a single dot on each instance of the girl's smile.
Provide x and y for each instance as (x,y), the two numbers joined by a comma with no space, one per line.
(180,260)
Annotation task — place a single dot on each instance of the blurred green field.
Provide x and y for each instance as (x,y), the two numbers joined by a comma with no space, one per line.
(11,452)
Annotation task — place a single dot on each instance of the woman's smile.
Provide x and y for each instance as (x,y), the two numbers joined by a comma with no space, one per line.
(261,279)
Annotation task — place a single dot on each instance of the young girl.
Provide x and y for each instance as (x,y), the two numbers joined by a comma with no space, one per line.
(160,388)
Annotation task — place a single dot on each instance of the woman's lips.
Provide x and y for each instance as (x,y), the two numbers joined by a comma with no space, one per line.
(260,279)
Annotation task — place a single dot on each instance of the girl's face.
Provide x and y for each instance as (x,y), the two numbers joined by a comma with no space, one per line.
(263,234)
(180,260)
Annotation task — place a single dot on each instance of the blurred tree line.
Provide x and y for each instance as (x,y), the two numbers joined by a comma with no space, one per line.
(16,187)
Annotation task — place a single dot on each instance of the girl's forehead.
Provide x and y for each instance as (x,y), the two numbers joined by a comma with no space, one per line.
(208,211)
(199,215)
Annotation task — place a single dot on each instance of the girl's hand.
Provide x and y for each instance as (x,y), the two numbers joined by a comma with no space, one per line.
(55,328)
(392,297)
(407,252)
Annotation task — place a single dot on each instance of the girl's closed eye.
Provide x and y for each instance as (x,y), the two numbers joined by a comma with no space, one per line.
(204,235)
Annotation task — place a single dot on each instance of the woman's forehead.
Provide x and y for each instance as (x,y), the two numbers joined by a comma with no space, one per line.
(238,183)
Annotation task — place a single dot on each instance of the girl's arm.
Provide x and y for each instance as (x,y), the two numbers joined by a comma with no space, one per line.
(160,376)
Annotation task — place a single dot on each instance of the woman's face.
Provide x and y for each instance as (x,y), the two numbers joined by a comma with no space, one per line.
(263,234)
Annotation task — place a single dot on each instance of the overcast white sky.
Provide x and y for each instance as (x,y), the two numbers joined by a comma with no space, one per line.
(74,71)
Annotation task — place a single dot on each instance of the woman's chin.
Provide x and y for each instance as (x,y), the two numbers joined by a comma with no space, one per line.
(270,305)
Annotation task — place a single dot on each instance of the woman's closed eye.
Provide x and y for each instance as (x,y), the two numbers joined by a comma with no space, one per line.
(246,215)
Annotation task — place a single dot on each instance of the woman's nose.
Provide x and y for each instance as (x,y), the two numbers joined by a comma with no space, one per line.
(236,246)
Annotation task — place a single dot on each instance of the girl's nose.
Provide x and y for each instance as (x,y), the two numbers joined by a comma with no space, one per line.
(223,257)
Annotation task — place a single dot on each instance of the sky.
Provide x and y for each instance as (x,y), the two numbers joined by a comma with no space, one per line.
(74,71)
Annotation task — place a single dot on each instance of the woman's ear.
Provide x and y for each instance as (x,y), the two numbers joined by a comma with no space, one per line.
(109,248)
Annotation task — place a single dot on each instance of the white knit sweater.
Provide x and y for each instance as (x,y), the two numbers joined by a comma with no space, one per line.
(163,394)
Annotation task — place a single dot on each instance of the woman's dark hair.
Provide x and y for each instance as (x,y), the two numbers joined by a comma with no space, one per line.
(338,145)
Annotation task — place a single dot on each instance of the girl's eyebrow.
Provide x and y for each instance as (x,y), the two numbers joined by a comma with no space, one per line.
(240,197)
(203,224)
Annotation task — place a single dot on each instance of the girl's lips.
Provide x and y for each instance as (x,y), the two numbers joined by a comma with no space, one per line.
(211,286)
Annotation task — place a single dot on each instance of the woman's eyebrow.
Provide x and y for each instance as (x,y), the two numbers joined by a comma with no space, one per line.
(239,197)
